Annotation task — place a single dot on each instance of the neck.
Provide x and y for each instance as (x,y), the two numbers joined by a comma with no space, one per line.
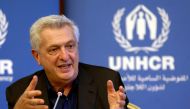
(66,88)
(57,85)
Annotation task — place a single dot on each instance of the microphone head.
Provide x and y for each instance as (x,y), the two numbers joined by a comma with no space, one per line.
(60,92)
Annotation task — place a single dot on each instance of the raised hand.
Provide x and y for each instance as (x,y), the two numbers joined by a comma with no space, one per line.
(116,99)
(27,100)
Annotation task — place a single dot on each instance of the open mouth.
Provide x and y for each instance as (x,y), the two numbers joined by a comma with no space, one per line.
(65,66)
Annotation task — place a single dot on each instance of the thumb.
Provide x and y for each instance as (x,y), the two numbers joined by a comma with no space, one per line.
(110,87)
(32,84)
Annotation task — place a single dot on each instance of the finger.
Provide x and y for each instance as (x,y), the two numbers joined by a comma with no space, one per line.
(122,96)
(121,89)
(32,84)
(121,103)
(110,87)
(36,101)
(33,93)
(39,107)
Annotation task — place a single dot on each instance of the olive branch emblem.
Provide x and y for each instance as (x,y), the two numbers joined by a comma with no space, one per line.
(3,28)
(155,46)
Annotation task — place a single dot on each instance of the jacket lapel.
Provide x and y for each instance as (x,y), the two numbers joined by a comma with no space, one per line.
(87,90)
(41,85)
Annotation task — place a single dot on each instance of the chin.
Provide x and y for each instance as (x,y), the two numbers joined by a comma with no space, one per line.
(67,76)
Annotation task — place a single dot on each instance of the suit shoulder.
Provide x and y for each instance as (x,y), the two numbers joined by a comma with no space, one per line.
(23,82)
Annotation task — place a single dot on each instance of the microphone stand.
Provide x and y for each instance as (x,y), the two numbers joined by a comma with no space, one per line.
(59,94)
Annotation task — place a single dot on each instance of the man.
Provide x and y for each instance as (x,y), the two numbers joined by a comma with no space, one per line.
(54,40)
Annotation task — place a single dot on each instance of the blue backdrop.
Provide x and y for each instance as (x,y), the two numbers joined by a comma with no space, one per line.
(15,56)
(155,70)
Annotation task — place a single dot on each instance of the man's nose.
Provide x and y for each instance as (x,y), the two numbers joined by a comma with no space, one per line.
(63,54)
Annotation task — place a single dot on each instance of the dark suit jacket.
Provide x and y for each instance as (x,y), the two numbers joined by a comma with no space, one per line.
(92,91)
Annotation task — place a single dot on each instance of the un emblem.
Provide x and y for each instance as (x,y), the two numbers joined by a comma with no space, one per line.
(3,27)
(139,19)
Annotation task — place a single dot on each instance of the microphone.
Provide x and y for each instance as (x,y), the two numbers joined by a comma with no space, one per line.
(59,94)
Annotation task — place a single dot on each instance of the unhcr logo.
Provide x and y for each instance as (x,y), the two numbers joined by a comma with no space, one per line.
(142,20)
(141,25)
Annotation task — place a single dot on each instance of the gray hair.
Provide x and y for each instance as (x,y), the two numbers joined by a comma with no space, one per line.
(52,21)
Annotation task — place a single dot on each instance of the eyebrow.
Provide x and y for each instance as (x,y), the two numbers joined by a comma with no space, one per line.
(56,45)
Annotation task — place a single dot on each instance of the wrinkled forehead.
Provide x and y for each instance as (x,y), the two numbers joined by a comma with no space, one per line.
(62,30)
(57,35)
(55,26)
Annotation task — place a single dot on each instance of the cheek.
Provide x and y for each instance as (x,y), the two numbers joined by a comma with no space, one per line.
(46,60)
(74,56)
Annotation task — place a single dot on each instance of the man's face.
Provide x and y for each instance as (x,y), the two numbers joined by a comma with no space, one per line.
(58,54)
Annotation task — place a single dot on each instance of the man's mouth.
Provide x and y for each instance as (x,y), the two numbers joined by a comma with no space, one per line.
(64,66)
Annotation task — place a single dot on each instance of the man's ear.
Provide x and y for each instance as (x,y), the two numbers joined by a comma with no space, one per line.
(36,56)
